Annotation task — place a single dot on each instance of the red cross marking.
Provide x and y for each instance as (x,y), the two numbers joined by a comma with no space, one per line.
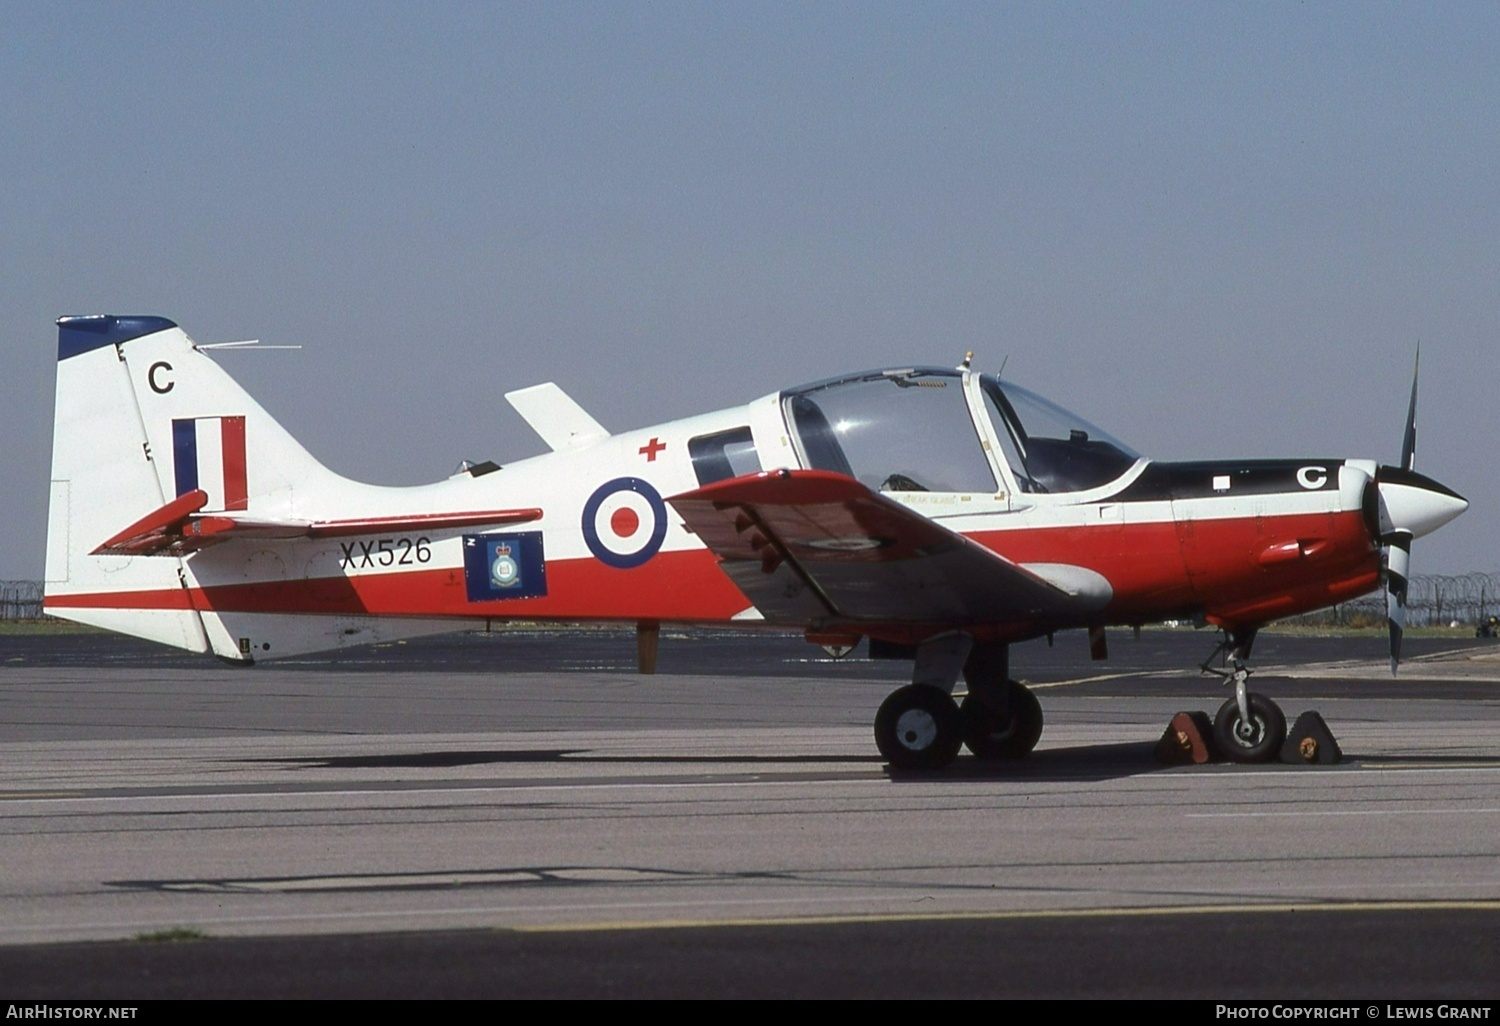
(650,450)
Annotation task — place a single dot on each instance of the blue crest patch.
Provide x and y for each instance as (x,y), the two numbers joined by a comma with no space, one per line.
(504,566)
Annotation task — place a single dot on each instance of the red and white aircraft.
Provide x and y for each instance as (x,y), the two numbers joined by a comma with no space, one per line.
(941,513)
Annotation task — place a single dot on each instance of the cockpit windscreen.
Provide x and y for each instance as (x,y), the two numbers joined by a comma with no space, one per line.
(1051,449)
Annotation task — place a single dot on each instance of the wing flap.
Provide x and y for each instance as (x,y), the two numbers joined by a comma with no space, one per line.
(862,556)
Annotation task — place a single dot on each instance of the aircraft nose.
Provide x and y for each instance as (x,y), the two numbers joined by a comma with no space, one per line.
(1413,503)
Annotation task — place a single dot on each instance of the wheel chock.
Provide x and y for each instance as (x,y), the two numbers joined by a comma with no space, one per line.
(1189,738)
(1311,743)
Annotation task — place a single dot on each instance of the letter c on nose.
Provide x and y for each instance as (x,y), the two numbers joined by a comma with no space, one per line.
(158,387)
(1312,477)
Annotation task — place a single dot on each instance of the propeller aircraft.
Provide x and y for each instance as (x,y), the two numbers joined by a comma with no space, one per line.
(942,513)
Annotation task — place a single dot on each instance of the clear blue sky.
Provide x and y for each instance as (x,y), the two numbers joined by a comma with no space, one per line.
(1214,229)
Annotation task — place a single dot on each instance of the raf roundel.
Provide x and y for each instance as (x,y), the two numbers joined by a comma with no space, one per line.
(624,522)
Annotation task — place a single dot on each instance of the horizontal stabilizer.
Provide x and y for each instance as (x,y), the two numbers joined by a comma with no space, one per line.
(156,530)
(554,415)
(862,556)
(178,528)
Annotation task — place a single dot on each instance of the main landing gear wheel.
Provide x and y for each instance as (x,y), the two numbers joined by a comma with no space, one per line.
(1003,735)
(918,727)
(1258,739)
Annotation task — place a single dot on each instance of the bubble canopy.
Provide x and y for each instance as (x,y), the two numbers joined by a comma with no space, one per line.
(917,429)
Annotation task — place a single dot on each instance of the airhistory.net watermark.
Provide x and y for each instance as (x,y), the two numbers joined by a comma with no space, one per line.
(46,1011)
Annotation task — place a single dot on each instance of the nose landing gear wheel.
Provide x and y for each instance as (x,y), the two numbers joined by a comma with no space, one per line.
(1255,740)
(1002,735)
(918,727)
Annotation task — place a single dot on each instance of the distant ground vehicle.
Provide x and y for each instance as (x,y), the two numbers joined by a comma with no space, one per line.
(1488,628)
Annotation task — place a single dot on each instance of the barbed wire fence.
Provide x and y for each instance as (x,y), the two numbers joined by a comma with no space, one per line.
(20,600)
(1433,600)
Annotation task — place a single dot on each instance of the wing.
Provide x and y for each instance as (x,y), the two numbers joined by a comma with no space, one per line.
(816,546)
(179,527)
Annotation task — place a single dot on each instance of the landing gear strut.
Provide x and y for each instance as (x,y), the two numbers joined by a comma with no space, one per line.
(1249,727)
(920,726)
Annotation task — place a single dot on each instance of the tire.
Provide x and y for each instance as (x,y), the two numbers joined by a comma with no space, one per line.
(1258,741)
(918,727)
(1008,735)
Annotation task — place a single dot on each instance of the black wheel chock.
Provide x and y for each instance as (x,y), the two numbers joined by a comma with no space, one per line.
(1311,743)
(1189,739)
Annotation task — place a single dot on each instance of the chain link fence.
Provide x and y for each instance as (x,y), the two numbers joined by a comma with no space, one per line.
(20,600)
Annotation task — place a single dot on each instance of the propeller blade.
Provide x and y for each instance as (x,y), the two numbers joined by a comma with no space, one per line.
(1409,438)
(1397,570)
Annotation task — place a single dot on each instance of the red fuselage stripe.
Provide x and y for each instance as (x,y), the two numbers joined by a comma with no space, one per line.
(1157,570)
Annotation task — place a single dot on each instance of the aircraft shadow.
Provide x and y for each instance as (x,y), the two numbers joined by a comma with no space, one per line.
(1080,762)
(1083,762)
(450,760)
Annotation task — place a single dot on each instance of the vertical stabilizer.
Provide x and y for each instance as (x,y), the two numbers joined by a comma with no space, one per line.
(142,417)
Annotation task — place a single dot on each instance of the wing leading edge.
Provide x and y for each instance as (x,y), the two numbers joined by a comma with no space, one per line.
(820,547)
